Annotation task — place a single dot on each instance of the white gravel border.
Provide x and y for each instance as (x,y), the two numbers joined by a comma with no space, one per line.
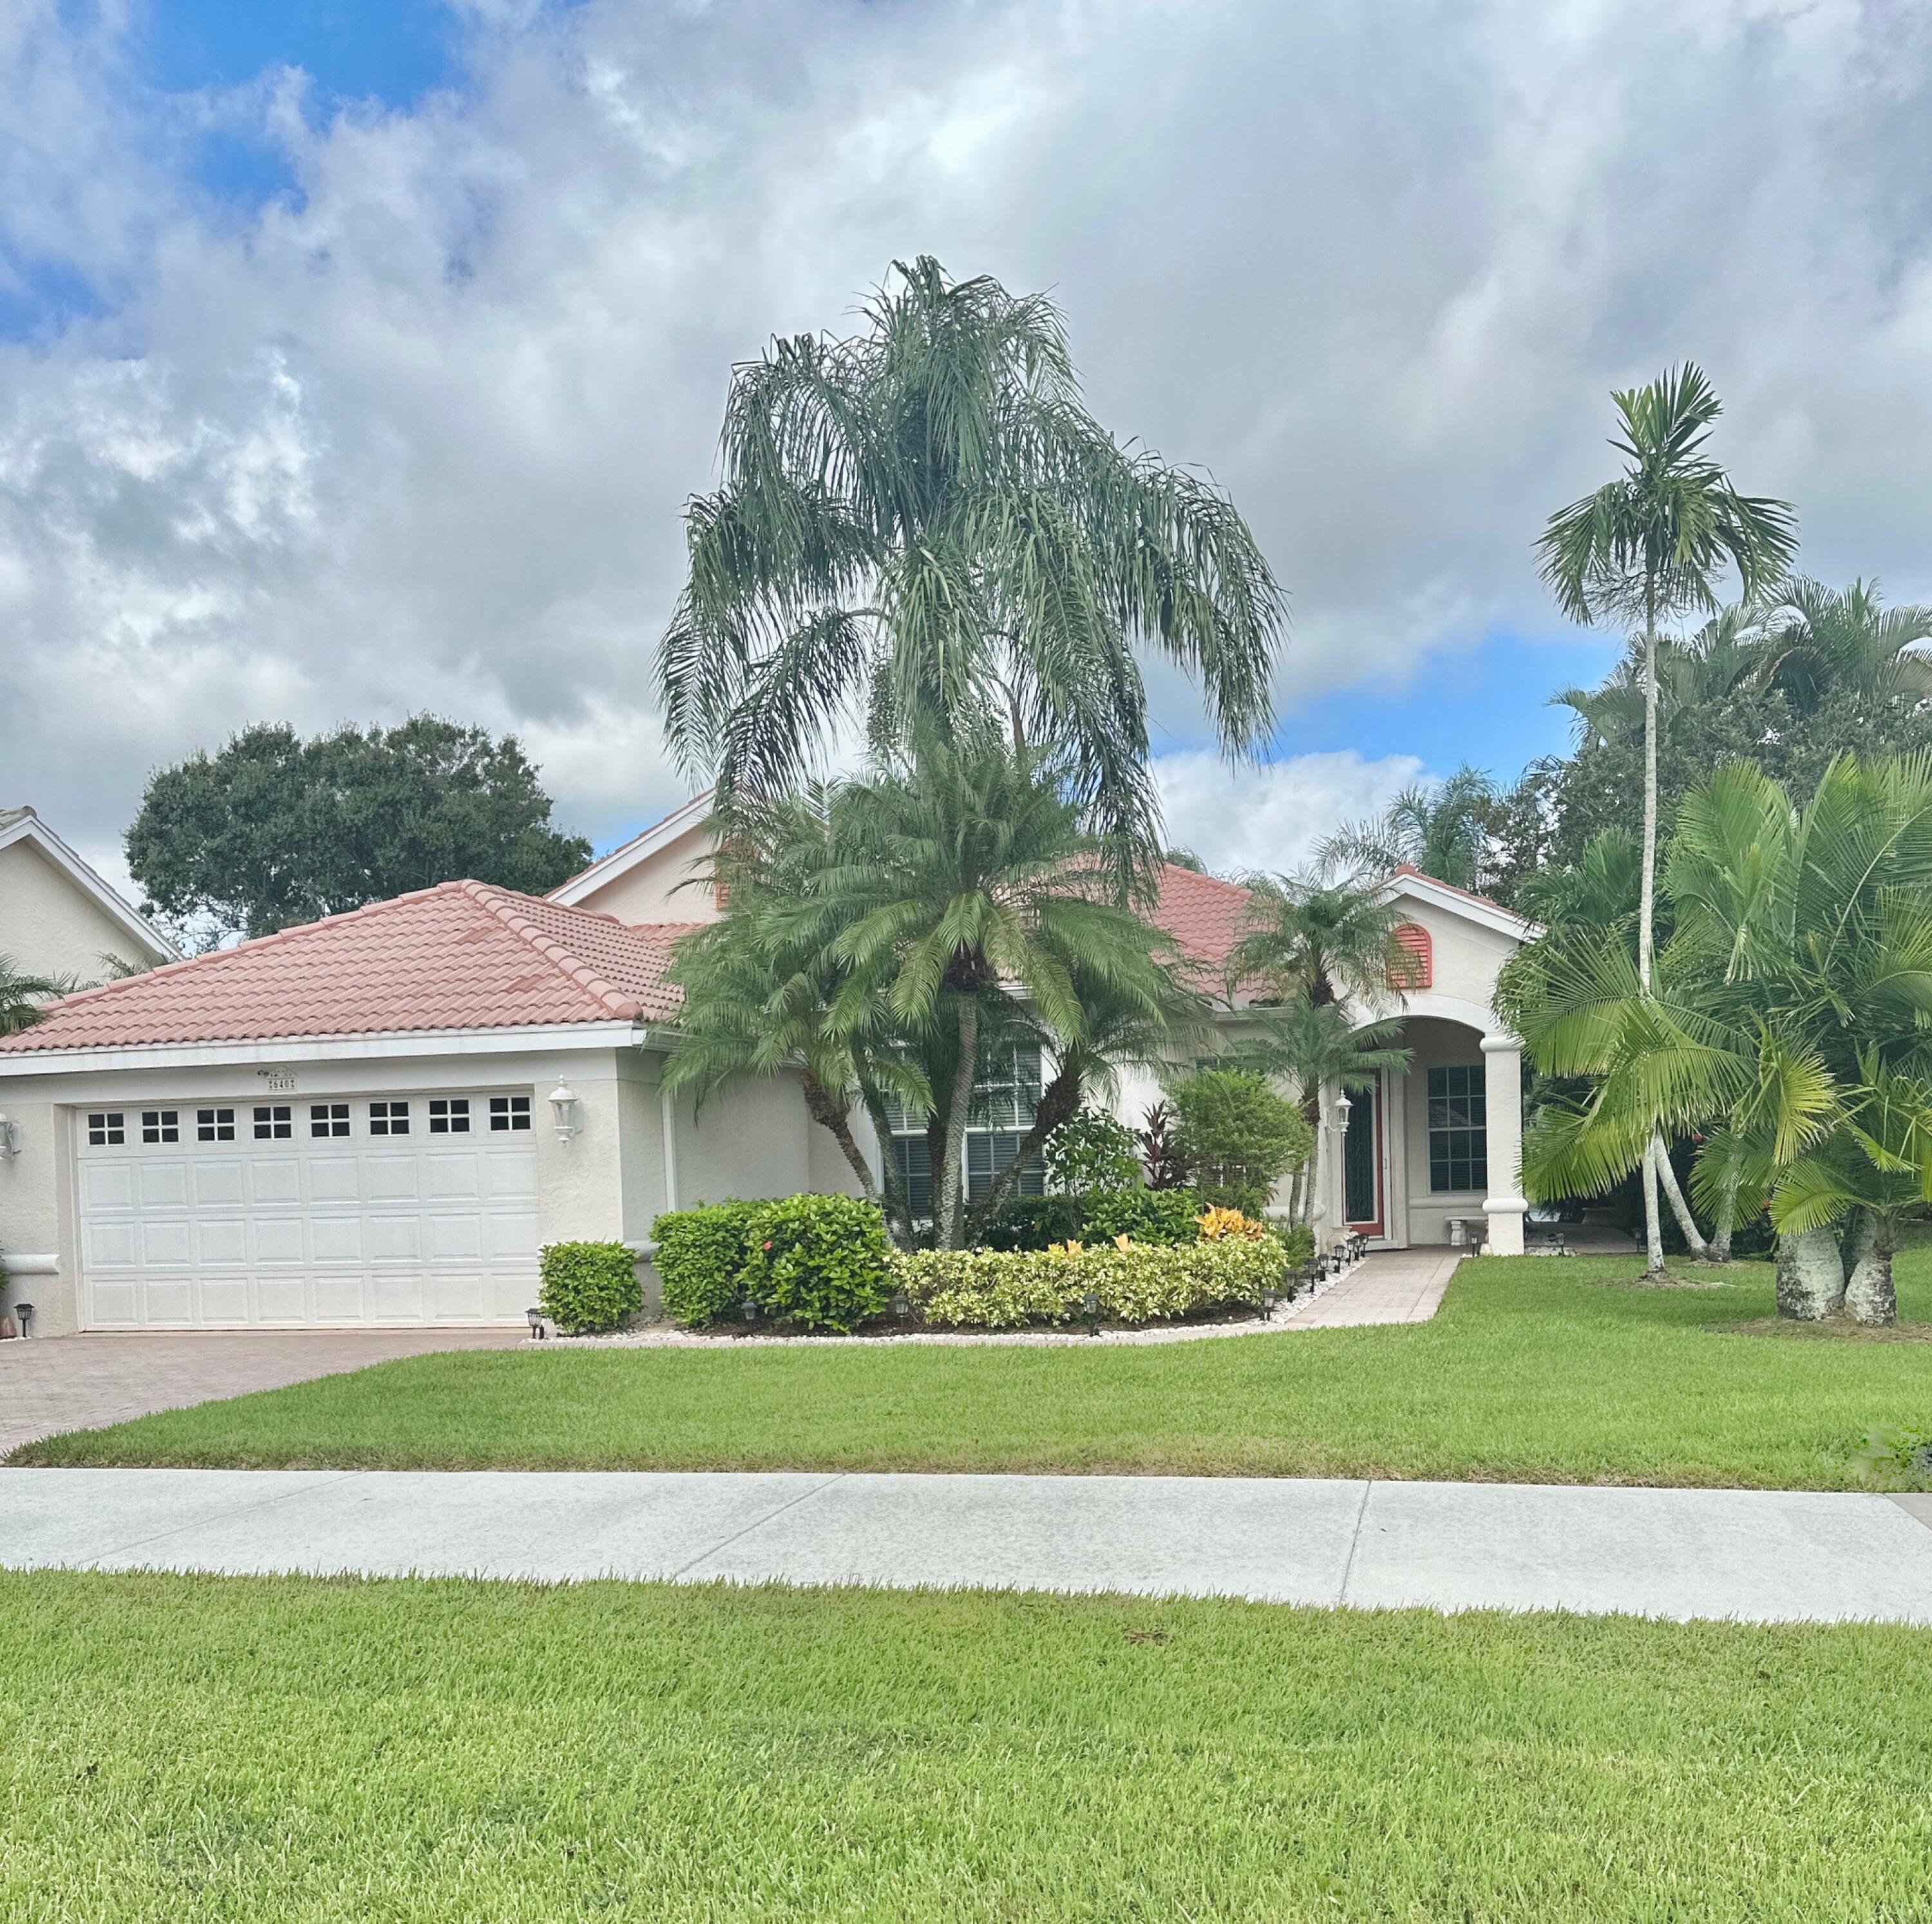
(668,1336)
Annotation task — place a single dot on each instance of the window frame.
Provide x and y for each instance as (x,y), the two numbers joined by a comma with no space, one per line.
(1459,1142)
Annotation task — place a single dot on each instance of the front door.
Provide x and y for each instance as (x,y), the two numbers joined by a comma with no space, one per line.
(1362,1203)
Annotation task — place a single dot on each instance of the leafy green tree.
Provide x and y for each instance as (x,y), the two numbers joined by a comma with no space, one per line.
(1442,829)
(922,520)
(275,830)
(1649,546)
(23,995)
(1092,1150)
(1239,1137)
(1790,1022)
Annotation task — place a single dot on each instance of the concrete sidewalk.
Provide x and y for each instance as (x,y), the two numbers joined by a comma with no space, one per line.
(1761,1556)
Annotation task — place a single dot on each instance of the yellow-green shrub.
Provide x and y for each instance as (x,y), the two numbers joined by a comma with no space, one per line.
(1007,1289)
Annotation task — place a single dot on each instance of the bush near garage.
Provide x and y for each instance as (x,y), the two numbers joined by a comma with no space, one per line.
(1135,1283)
(587,1288)
(700,1260)
(819,1261)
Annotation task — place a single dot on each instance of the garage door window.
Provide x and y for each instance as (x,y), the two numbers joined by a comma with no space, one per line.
(449,1115)
(509,1112)
(160,1125)
(105,1127)
(274,1122)
(328,1119)
(388,1119)
(214,1126)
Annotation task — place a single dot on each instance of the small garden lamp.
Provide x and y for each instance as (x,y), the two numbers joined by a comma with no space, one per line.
(748,1308)
(25,1311)
(1270,1297)
(1091,1305)
(563,1106)
(902,1305)
(536,1323)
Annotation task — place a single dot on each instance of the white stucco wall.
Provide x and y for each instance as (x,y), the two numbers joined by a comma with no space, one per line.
(661,888)
(51,926)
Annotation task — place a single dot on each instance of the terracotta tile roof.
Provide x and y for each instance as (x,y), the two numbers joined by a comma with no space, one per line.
(1204,914)
(463,955)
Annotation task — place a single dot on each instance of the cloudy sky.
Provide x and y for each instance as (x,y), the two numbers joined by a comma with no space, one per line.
(357,355)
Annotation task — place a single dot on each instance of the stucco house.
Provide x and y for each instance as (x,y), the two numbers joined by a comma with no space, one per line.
(57,918)
(380,1118)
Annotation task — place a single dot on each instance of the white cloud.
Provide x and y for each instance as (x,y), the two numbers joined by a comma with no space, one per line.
(1270,816)
(417,435)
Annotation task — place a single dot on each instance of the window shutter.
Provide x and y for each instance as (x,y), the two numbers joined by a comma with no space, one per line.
(1416,969)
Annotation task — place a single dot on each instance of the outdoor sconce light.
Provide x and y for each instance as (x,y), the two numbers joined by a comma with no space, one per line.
(1090,1304)
(536,1324)
(563,1106)
(10,1139)
(1343,1106)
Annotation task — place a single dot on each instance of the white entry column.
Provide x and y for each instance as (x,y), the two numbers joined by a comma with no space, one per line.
(1502,1088)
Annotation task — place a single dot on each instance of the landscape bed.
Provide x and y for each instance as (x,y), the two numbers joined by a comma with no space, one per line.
(1534,1370)
(176,1747)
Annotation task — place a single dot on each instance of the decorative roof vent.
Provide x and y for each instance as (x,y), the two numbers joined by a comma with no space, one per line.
(1416,968)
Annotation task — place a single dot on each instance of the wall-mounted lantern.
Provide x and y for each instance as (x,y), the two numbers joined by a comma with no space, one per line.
(563,1106)
(10,1139)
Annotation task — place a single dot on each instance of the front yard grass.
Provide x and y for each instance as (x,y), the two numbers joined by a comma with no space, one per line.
(1534,1370)
(186,1748)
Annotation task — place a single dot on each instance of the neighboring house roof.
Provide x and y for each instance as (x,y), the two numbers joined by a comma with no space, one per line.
(461,956)
(24,825)
(641,847)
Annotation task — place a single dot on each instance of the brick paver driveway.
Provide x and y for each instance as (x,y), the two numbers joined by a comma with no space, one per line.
(77,1382)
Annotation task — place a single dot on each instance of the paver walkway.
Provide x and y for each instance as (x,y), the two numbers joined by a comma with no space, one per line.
(1763,1556)
(1389,1286)
(78,1383)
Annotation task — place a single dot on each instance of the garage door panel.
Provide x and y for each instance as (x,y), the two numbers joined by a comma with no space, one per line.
(162,1186)
(107,1186)
(225,1299)
(273,1182)
(219,1185)
(337,1231)
(335,1179)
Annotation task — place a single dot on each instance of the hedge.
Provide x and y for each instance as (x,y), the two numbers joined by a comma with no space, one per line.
(1008,1289)
(1147,1216)
(700,1258)
(588,1286)
(818,1260)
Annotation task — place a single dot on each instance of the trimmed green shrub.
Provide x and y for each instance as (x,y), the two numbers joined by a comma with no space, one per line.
(1009,1289)
(1034,1222)
(588,1286)
(818,1260)
(1239,1137)
(1091,1151)
(700,1260)
(1297,1241)
(1147,1216)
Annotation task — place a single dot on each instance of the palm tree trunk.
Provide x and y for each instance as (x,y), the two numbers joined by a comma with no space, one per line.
(948,1203)
(1679,1208)
(1653,1229)
(1869,1295)
(898,1203)
(836,1117)
(1058,1101)
(1727,1214)
(1810,1276)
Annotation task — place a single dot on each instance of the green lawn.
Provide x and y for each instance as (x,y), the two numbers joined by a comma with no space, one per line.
(1535,1370)
(182,1748)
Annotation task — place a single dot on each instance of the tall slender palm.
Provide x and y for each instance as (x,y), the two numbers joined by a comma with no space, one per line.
(23,997)
(1306,939)
(1649,546)
(967,895)
(1441,830)
(923,519)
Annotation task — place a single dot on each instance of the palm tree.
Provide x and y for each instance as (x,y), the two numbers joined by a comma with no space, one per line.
(1648,546)
(23,997)
(1305,939)
(1791,1021)
(923,520)
(968,899)
(1442,830)
(1816,639)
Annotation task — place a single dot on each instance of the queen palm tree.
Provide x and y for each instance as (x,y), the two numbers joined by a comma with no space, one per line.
(1649,546)
(923,521)
(23,997)
(968,899)
(1308,939)
(1441,830)
(1790,1022)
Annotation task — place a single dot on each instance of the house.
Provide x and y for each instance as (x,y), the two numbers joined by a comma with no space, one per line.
(58,918)
(380,1118)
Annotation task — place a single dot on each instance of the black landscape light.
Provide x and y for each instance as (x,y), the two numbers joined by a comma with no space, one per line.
(902,1305)
(748,1309)
(25,1311)
(535,1317)
(1270,1297)
(1090,1304)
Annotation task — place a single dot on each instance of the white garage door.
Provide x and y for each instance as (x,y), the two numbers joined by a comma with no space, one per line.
(398,1208)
